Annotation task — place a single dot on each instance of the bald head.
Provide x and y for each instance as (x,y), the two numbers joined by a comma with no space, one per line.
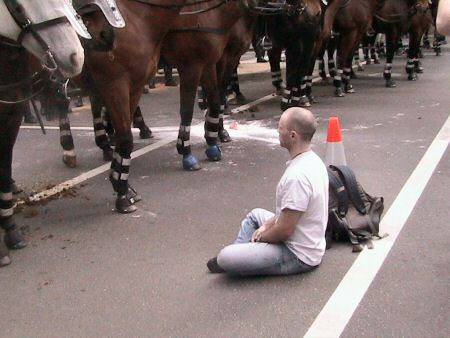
(301,121)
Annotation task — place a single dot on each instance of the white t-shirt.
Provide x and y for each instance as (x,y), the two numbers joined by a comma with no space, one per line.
(304,187)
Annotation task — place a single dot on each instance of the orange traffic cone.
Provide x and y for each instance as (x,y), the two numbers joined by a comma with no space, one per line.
(335,147)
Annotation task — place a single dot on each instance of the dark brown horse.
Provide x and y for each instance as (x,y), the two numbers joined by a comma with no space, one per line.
(296,32)
(395,18)
(40,28)
(194,46)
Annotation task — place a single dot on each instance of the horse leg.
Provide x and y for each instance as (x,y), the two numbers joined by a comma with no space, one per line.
(415,36)
(235,88)
(189,81)
(224,68)
(275,58)
(331,48)
(391,46)
(119,107)
(101,137)
(9,128)
(138,122)
(212,121)
(65,135)
(347,75)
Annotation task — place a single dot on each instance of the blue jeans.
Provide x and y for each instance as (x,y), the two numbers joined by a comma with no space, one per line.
(244,257)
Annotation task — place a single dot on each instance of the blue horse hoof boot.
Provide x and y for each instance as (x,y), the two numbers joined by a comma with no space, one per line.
(190,163)
(214,153)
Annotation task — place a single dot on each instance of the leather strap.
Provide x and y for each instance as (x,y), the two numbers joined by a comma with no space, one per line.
(349,179)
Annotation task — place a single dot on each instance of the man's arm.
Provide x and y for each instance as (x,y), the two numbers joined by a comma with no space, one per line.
(283,228)
(443,17)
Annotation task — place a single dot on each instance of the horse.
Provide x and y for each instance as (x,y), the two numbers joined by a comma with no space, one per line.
(296,31)
(395,18)
(121,73)
(49,31)
(351,19)
(208,34)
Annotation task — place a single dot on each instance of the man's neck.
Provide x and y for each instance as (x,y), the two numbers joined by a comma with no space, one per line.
(297,150)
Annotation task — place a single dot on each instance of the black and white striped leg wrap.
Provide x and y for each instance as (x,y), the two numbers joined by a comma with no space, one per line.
(295,96)
(120,171)
(183,142)
(6,209)
(65,134)
(338,78)
(346,75)
(101,139)
(277,79)
(321,66)
(387,71)
(212,128)
(285,99)
(410,66)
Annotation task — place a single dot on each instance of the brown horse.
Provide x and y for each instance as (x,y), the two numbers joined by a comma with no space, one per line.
(395,18)
(121,73)
(352,19)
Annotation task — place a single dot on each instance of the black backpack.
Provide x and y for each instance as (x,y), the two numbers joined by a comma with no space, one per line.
(353,214)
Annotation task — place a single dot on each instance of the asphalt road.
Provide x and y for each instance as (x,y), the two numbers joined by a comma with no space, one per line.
(90,272)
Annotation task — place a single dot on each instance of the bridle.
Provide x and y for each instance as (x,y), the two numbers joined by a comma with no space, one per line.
(49,65)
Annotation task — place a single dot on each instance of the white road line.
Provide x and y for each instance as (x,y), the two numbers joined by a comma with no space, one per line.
(97,171)
(339,309)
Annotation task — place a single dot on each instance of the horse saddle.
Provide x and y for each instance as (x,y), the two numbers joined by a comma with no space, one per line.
(108,7)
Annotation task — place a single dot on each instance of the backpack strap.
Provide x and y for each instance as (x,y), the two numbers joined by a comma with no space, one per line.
(349,179)
(341,193)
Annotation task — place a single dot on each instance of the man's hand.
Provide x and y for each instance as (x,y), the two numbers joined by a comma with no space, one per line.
(257,235)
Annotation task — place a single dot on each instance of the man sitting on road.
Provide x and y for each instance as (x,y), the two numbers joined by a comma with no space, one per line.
(293,239)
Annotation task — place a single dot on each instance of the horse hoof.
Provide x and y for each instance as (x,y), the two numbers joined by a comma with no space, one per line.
(349,89)
(312,99)
(241,99)
(339,92)
(304,102)
(145,133)
(70,160)
(412,77)
(14,240)
(418,69)
(107,154)
(4,258)
(214,153)
(132,195)
(390,84)
(360,69)
(16,189)
(224,137)
(190,163)
(124,205)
